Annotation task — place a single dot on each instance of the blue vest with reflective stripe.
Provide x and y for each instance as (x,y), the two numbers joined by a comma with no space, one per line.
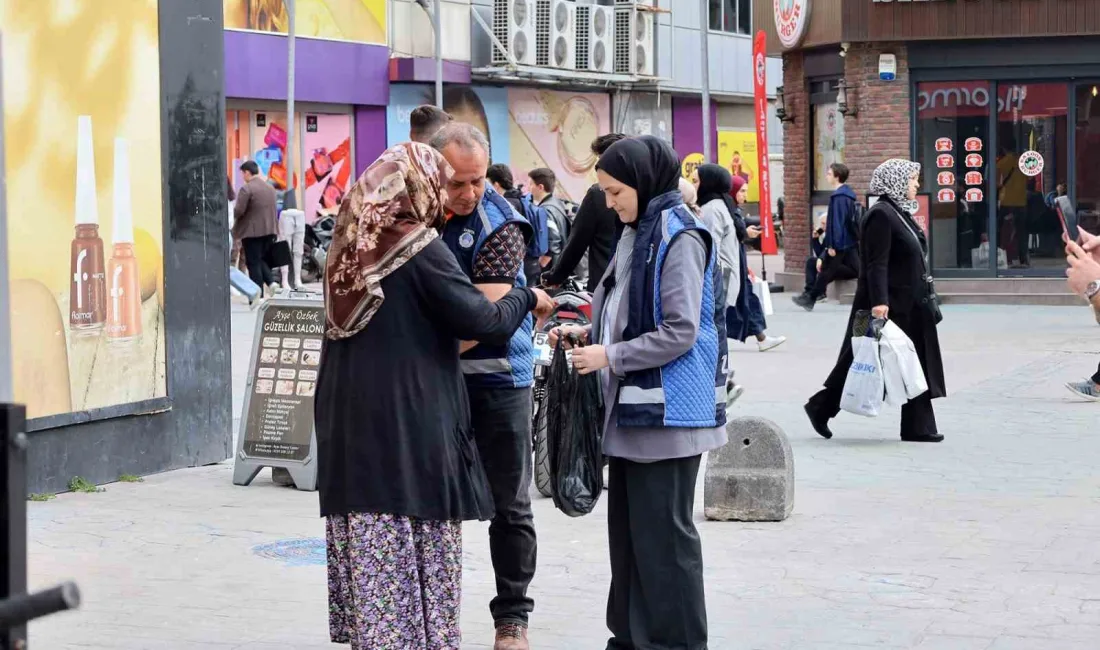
(492,366)
(689,391)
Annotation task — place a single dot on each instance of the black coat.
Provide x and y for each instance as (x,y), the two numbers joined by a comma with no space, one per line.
(595,231)
(391,410)
(892,273)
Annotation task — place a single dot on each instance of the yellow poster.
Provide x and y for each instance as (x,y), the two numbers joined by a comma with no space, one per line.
(85,223)
(361,21)
(737,153)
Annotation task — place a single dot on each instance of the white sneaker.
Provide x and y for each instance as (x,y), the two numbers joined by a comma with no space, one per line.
(770,342)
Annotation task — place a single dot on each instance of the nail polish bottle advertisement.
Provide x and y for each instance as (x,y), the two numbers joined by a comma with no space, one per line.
(123,277)
(88,286)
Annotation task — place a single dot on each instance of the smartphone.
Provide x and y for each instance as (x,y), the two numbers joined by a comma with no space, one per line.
(1068,215)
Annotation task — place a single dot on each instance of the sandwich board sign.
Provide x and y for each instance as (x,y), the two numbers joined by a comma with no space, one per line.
(277,427)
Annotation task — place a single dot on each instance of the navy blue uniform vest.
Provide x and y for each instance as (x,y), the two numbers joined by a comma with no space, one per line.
(689,391)
(492,366)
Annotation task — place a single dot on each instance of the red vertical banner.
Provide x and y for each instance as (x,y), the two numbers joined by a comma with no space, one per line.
(768,243)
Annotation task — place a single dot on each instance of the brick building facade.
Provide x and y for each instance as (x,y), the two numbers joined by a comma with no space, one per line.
(1017,80)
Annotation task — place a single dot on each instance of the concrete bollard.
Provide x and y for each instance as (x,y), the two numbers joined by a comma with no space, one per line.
(751,478)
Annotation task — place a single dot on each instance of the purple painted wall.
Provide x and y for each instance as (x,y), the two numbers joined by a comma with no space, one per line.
(333,72)
(370,135)
(687,126)
(422,70)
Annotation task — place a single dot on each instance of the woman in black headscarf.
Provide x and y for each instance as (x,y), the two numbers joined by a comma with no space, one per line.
(658,336)
(894,283)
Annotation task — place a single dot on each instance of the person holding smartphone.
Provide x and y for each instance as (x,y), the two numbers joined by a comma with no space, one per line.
(1083,277)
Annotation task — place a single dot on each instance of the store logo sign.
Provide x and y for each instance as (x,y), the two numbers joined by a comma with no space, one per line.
(792,19)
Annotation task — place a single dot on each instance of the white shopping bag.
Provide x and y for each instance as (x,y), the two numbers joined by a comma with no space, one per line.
(864,387)
(979,257)
(764,294)
(901,368)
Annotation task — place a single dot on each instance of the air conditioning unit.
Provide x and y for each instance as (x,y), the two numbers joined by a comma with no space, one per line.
(556,26)
(596,38)
(634,29)
(514,27)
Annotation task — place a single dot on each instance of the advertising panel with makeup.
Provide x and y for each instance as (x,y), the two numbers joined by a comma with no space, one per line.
(83,151)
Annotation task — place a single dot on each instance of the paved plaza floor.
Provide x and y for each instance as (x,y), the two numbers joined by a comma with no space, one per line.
(989,541)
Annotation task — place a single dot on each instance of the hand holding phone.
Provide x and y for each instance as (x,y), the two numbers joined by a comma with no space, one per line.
(1068,215)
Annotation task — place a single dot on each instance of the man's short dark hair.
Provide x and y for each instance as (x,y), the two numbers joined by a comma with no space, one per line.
(602,143)
(840,171)
(545,177)
(425,121)
(501,175)
(251,167)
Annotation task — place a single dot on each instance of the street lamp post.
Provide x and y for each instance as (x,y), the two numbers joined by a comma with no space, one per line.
(704,12)
(289,198)
(437,30)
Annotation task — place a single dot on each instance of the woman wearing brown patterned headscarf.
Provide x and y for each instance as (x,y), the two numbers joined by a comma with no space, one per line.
(397,468)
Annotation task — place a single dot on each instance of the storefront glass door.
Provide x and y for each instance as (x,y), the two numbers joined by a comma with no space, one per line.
(953,140)
(1031,168)
(1087,158)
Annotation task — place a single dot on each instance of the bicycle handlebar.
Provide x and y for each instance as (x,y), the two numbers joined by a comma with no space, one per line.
(17,610)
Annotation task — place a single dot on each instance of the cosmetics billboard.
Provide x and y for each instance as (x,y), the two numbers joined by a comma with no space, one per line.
(555,129)
(85,222)
(362,21)
(482,106)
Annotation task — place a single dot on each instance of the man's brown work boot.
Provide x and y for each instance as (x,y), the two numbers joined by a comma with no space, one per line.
(511,636)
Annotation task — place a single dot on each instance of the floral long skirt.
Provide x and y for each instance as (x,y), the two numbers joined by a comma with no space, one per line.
(394,583)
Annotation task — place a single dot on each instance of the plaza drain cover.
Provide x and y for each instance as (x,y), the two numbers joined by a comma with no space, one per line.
(294,552)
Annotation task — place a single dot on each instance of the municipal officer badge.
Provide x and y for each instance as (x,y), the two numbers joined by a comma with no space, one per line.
(466,239)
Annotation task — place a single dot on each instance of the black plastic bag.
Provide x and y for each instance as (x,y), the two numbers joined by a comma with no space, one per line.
(574,431)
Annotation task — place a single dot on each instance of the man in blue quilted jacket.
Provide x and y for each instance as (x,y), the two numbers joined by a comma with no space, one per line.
(489,238)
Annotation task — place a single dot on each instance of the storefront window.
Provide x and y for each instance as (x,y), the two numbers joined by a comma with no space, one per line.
(733,16)
(828,142)
(953,149)
(1088,157)
(1031,168)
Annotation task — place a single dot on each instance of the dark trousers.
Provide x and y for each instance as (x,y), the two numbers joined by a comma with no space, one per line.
(843,266)
(918,420)
(255,256)
(502,431)
(1096,377)
(656,600)
(811,274)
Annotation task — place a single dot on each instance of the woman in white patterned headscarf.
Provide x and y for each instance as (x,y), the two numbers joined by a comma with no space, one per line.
(894,283)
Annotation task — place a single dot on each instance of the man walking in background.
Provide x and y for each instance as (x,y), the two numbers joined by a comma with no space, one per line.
(841,261)
(425,121)
(256,224)
(489,239)
(542,183)
(593,232)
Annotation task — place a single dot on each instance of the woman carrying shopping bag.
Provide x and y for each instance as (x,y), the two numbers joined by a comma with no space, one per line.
(658,341)
(894,283)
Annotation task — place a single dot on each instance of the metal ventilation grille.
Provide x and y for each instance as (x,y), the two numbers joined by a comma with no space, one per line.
(584,32)
(501,11)
(509,19)
(624,39)
(542,33)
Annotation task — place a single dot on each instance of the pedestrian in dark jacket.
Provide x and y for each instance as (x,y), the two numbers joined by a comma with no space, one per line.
(746,317)
(594,231)
(255,223)
(841,260)
(894,283)
(395,479)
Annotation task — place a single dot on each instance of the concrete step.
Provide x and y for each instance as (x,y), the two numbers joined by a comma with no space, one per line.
(997,298)
(1002,285)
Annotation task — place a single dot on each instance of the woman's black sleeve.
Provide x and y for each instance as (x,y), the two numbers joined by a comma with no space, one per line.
(454,302)
(580,238)
(877,237)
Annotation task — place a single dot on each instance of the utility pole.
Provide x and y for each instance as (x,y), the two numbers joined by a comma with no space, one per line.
(437,30)
(289,198)
(704,13)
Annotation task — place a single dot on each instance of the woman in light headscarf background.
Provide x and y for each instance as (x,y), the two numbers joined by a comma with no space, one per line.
(396,479)
(894,282)
(657,336)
